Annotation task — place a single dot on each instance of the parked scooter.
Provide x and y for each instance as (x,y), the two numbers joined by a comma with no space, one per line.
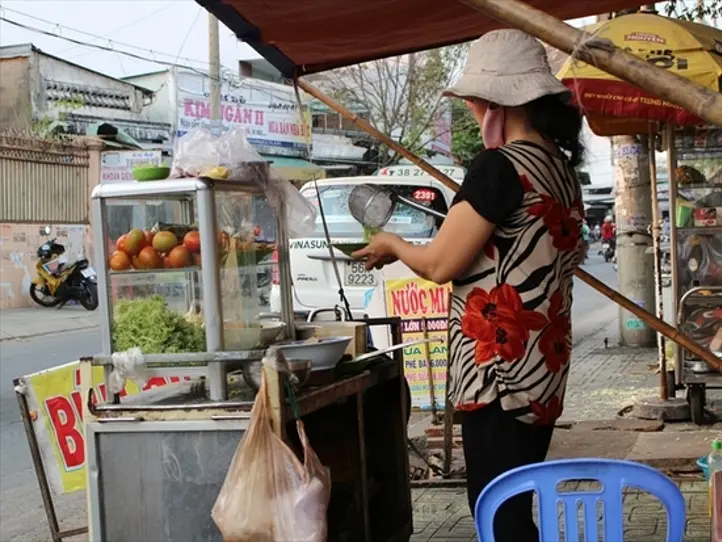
(59,281)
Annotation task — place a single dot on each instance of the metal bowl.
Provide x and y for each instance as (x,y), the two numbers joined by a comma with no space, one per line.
(247,338)
(324,353)
(252,372)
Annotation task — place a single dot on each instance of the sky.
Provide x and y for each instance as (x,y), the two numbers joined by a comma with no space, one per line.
(172,31)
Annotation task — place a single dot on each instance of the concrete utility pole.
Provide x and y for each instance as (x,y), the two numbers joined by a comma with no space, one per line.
(635,262)
(214,59)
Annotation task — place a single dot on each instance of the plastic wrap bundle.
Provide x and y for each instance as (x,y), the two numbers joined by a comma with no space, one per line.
(229,156)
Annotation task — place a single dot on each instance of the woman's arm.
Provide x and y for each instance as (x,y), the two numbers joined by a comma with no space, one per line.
(460,240)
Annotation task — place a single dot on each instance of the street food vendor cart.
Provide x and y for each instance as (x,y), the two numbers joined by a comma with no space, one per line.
(157,459)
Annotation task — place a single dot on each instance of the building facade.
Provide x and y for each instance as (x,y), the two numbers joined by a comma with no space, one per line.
(45,94)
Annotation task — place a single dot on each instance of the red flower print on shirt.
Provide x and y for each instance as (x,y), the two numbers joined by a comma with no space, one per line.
(469,407)
(526,185)
(499,323)
(563,227)
(553,343)
(549,413)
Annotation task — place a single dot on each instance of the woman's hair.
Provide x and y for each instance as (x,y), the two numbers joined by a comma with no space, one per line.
(559,122)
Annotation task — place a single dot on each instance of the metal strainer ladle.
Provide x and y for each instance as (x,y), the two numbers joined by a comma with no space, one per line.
(373,206)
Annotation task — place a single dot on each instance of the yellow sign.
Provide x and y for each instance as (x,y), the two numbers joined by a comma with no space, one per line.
(56,405)
(421,305)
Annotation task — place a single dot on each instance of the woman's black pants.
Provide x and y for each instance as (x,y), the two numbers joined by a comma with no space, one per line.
(495,442)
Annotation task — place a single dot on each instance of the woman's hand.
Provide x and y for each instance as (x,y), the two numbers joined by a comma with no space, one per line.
(379,252)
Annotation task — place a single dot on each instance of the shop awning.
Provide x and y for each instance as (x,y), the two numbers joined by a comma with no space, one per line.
(296,169)
(310,36)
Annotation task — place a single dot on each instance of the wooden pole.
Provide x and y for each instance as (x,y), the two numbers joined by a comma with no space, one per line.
(672,183)
(669,86)
(656,238)
(660,325)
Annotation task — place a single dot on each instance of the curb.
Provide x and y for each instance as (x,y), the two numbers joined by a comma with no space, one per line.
(32,335)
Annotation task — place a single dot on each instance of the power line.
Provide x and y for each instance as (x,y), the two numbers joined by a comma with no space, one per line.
(135,21)
(104,48)
(80,43)
(135,56)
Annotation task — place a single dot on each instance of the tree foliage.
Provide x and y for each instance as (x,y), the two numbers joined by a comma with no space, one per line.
(692,10)
(400,96)
(466,140)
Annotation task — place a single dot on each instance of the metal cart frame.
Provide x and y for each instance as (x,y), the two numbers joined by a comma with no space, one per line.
(203,191)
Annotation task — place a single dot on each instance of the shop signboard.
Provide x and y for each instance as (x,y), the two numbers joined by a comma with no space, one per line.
(117,166)
(56,408)
(420,303)
(275,128)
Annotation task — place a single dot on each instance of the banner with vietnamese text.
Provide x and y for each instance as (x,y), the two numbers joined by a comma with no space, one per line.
(419,302)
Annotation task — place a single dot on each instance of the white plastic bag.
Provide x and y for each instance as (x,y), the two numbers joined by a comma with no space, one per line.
(127,365)
(268,495)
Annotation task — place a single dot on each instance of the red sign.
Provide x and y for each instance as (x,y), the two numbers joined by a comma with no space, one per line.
(424,194)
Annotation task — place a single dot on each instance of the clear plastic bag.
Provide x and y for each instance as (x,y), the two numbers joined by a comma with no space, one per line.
(201,153)
(230,156)
(286,200)
(268,495)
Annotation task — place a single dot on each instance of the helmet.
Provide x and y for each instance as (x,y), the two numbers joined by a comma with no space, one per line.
(607,219)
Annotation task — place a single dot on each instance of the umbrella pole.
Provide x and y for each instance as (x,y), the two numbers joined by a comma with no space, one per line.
(656,231)
(659,325)
(613,60)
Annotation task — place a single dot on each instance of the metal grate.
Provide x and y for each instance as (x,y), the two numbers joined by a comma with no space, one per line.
(43,180)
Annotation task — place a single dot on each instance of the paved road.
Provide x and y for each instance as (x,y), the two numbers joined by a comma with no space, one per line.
(590,308)
(21,515)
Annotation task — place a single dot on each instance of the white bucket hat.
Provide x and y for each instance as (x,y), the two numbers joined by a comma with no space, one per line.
(507,67)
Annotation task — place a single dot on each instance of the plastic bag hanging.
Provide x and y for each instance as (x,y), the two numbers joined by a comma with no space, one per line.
(268,494)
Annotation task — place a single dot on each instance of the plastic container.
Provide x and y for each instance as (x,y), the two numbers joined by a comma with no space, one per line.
(157,173)
(684,213)
(714,464)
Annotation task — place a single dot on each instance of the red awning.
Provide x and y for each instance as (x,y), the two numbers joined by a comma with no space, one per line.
(309,36)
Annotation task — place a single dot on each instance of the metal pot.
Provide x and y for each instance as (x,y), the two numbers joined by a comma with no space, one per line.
(252,372)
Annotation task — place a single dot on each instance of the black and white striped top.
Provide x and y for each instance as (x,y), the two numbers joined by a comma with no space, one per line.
(510,316)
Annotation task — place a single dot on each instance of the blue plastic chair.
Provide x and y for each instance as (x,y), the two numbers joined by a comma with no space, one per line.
(613,475)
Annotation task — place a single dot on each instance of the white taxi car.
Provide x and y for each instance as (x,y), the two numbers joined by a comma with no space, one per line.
(314,280)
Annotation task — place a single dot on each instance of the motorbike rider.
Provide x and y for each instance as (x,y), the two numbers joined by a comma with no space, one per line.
(609,232)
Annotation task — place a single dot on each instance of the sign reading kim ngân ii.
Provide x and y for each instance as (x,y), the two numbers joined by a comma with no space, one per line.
(271,128)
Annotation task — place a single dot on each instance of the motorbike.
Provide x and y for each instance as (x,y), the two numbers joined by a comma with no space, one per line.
(58,281)
(607,250)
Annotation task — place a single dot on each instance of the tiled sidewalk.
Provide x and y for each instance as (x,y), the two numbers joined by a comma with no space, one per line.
(442,515)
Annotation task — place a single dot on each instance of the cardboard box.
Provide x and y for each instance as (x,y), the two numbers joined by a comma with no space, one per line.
(707,217)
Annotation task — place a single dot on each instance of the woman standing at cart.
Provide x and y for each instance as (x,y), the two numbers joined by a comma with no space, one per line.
(510,245)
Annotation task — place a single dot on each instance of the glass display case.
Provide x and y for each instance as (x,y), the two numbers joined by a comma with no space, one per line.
(186,266)
(697,242)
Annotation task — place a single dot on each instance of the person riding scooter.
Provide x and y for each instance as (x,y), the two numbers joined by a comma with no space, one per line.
(609,239)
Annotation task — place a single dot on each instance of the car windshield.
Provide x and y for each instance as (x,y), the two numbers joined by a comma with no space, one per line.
(406,222)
